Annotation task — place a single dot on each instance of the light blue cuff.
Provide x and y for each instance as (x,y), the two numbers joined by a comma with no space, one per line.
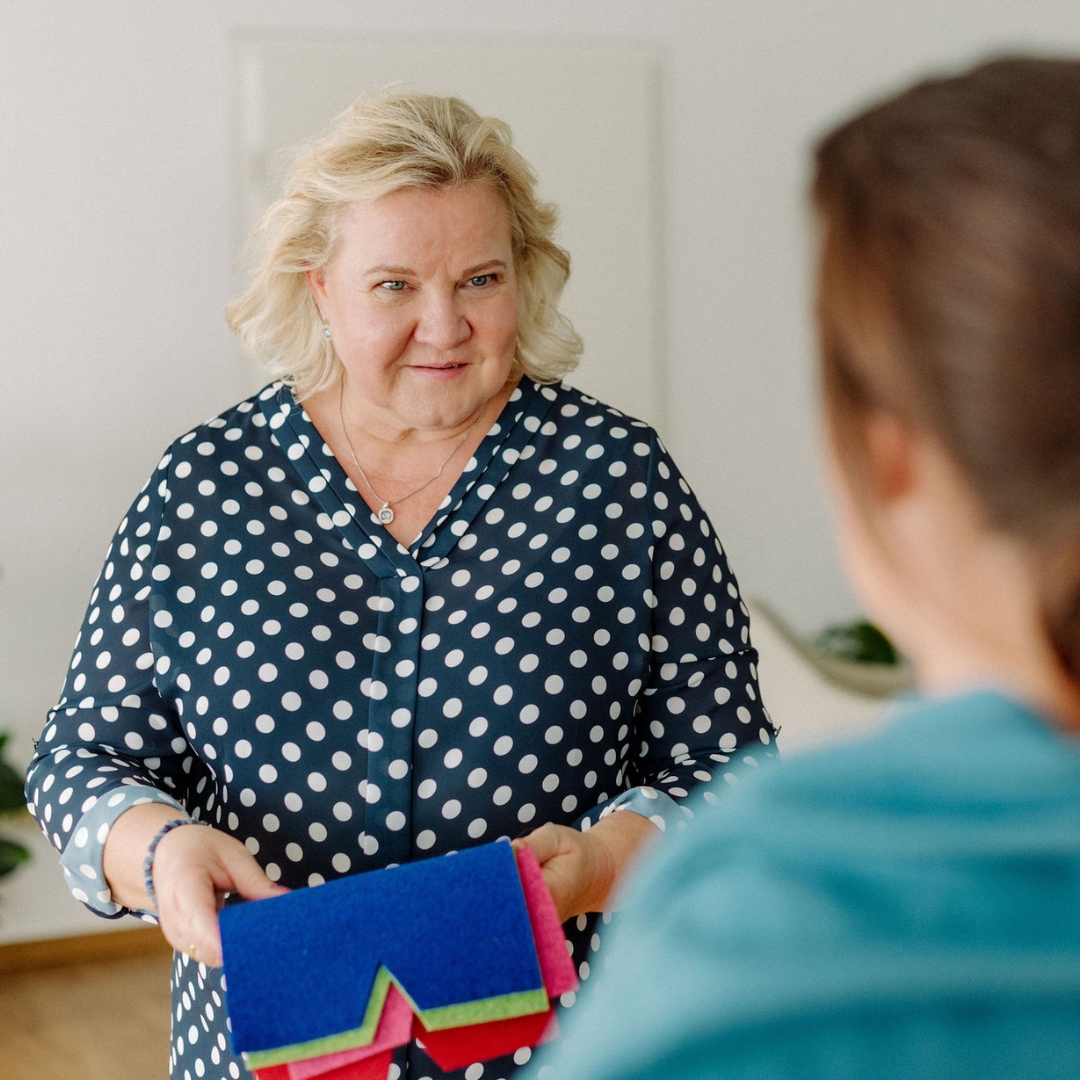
(82,858)
(661,809)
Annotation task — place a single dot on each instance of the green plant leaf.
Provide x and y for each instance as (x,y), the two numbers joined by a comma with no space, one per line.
(11,784)
(861,642)
(11,855)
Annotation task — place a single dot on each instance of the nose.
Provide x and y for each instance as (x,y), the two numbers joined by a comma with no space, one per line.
(441,321)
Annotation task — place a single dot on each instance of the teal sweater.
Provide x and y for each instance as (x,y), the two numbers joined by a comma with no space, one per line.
(908,906)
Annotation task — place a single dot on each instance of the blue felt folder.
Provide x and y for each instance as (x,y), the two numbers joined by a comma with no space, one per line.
(450,930)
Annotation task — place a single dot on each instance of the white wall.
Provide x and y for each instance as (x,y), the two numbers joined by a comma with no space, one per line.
(117,233)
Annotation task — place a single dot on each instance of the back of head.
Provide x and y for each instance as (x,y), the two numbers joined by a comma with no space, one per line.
(950,295)
(386,141)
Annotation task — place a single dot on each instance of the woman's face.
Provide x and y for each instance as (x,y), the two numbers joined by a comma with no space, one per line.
(421,300)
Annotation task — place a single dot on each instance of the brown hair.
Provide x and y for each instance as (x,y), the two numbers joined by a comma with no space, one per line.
(949,295)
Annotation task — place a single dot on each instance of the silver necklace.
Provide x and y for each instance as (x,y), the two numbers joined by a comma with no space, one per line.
(385,513)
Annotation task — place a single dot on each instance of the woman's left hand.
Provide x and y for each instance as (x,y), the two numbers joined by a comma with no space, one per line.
(582,869)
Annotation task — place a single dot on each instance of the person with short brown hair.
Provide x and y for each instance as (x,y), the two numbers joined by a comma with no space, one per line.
(909,906)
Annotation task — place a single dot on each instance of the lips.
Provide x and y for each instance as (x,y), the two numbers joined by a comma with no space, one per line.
(439,370)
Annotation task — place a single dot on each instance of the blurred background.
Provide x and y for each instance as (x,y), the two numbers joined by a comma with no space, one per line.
(139,139)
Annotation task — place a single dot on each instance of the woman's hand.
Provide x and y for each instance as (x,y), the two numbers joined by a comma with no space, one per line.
(194,867)
(582,869)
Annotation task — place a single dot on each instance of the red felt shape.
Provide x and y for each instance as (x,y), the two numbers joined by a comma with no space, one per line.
(371,1068)
(454,1048)
(375,1067)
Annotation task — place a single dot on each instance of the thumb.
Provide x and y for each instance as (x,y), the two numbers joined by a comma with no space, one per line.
(243,875)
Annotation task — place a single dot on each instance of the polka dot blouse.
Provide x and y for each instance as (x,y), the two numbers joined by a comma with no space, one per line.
(563,639)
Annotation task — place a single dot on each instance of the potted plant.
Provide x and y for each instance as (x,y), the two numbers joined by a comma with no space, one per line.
(855,656)
(11,800)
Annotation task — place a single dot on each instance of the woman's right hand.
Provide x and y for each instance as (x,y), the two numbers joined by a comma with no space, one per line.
(193,868)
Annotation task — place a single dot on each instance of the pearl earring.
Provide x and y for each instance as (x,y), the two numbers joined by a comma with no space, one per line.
(326,332)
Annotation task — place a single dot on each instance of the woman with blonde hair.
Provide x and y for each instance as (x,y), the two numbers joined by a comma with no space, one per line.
(910,906)
(413,596)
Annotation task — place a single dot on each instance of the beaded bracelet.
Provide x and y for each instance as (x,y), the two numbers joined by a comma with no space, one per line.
(148,862)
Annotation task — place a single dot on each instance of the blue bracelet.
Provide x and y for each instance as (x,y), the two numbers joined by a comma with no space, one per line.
(148,862)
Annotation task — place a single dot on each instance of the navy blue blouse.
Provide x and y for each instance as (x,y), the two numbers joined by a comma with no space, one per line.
(563,639)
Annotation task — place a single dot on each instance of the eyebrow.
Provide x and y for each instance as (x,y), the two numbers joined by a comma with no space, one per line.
(404,271)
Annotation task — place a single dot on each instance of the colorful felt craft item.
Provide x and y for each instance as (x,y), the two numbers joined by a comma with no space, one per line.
(395,932)
(476,1012)
(453,931)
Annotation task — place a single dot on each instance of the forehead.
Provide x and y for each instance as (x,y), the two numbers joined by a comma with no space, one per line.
(470,222)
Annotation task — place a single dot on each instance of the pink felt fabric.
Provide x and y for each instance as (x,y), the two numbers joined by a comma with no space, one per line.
(556,967)
(375,1067)
(395,1029)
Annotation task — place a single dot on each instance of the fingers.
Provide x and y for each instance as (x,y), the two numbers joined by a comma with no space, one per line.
(243,875)
(190,873)
(189,919)
(546,842)
(565,859)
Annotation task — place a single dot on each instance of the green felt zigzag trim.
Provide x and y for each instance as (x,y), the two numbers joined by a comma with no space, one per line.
(503,1007)
(364,1035)
(506,1007)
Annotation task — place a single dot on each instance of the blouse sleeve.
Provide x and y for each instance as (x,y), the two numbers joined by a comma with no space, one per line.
(112,741)
(700,715)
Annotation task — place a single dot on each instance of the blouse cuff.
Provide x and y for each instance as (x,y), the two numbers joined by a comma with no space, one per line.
(661,809)
(82,858)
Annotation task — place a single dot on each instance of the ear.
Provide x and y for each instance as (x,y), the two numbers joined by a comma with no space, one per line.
(891,451)
(317,284)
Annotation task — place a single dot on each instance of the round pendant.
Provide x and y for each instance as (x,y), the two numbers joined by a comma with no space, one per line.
(385,515)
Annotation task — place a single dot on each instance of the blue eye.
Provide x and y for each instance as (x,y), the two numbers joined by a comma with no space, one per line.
(392,286)
(481,279)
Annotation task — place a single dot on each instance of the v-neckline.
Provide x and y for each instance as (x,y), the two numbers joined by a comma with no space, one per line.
(328,484)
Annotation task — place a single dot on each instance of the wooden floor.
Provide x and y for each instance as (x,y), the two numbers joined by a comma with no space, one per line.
(106,1019)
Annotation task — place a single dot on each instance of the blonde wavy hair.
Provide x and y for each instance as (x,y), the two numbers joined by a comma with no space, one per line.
(386,141)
